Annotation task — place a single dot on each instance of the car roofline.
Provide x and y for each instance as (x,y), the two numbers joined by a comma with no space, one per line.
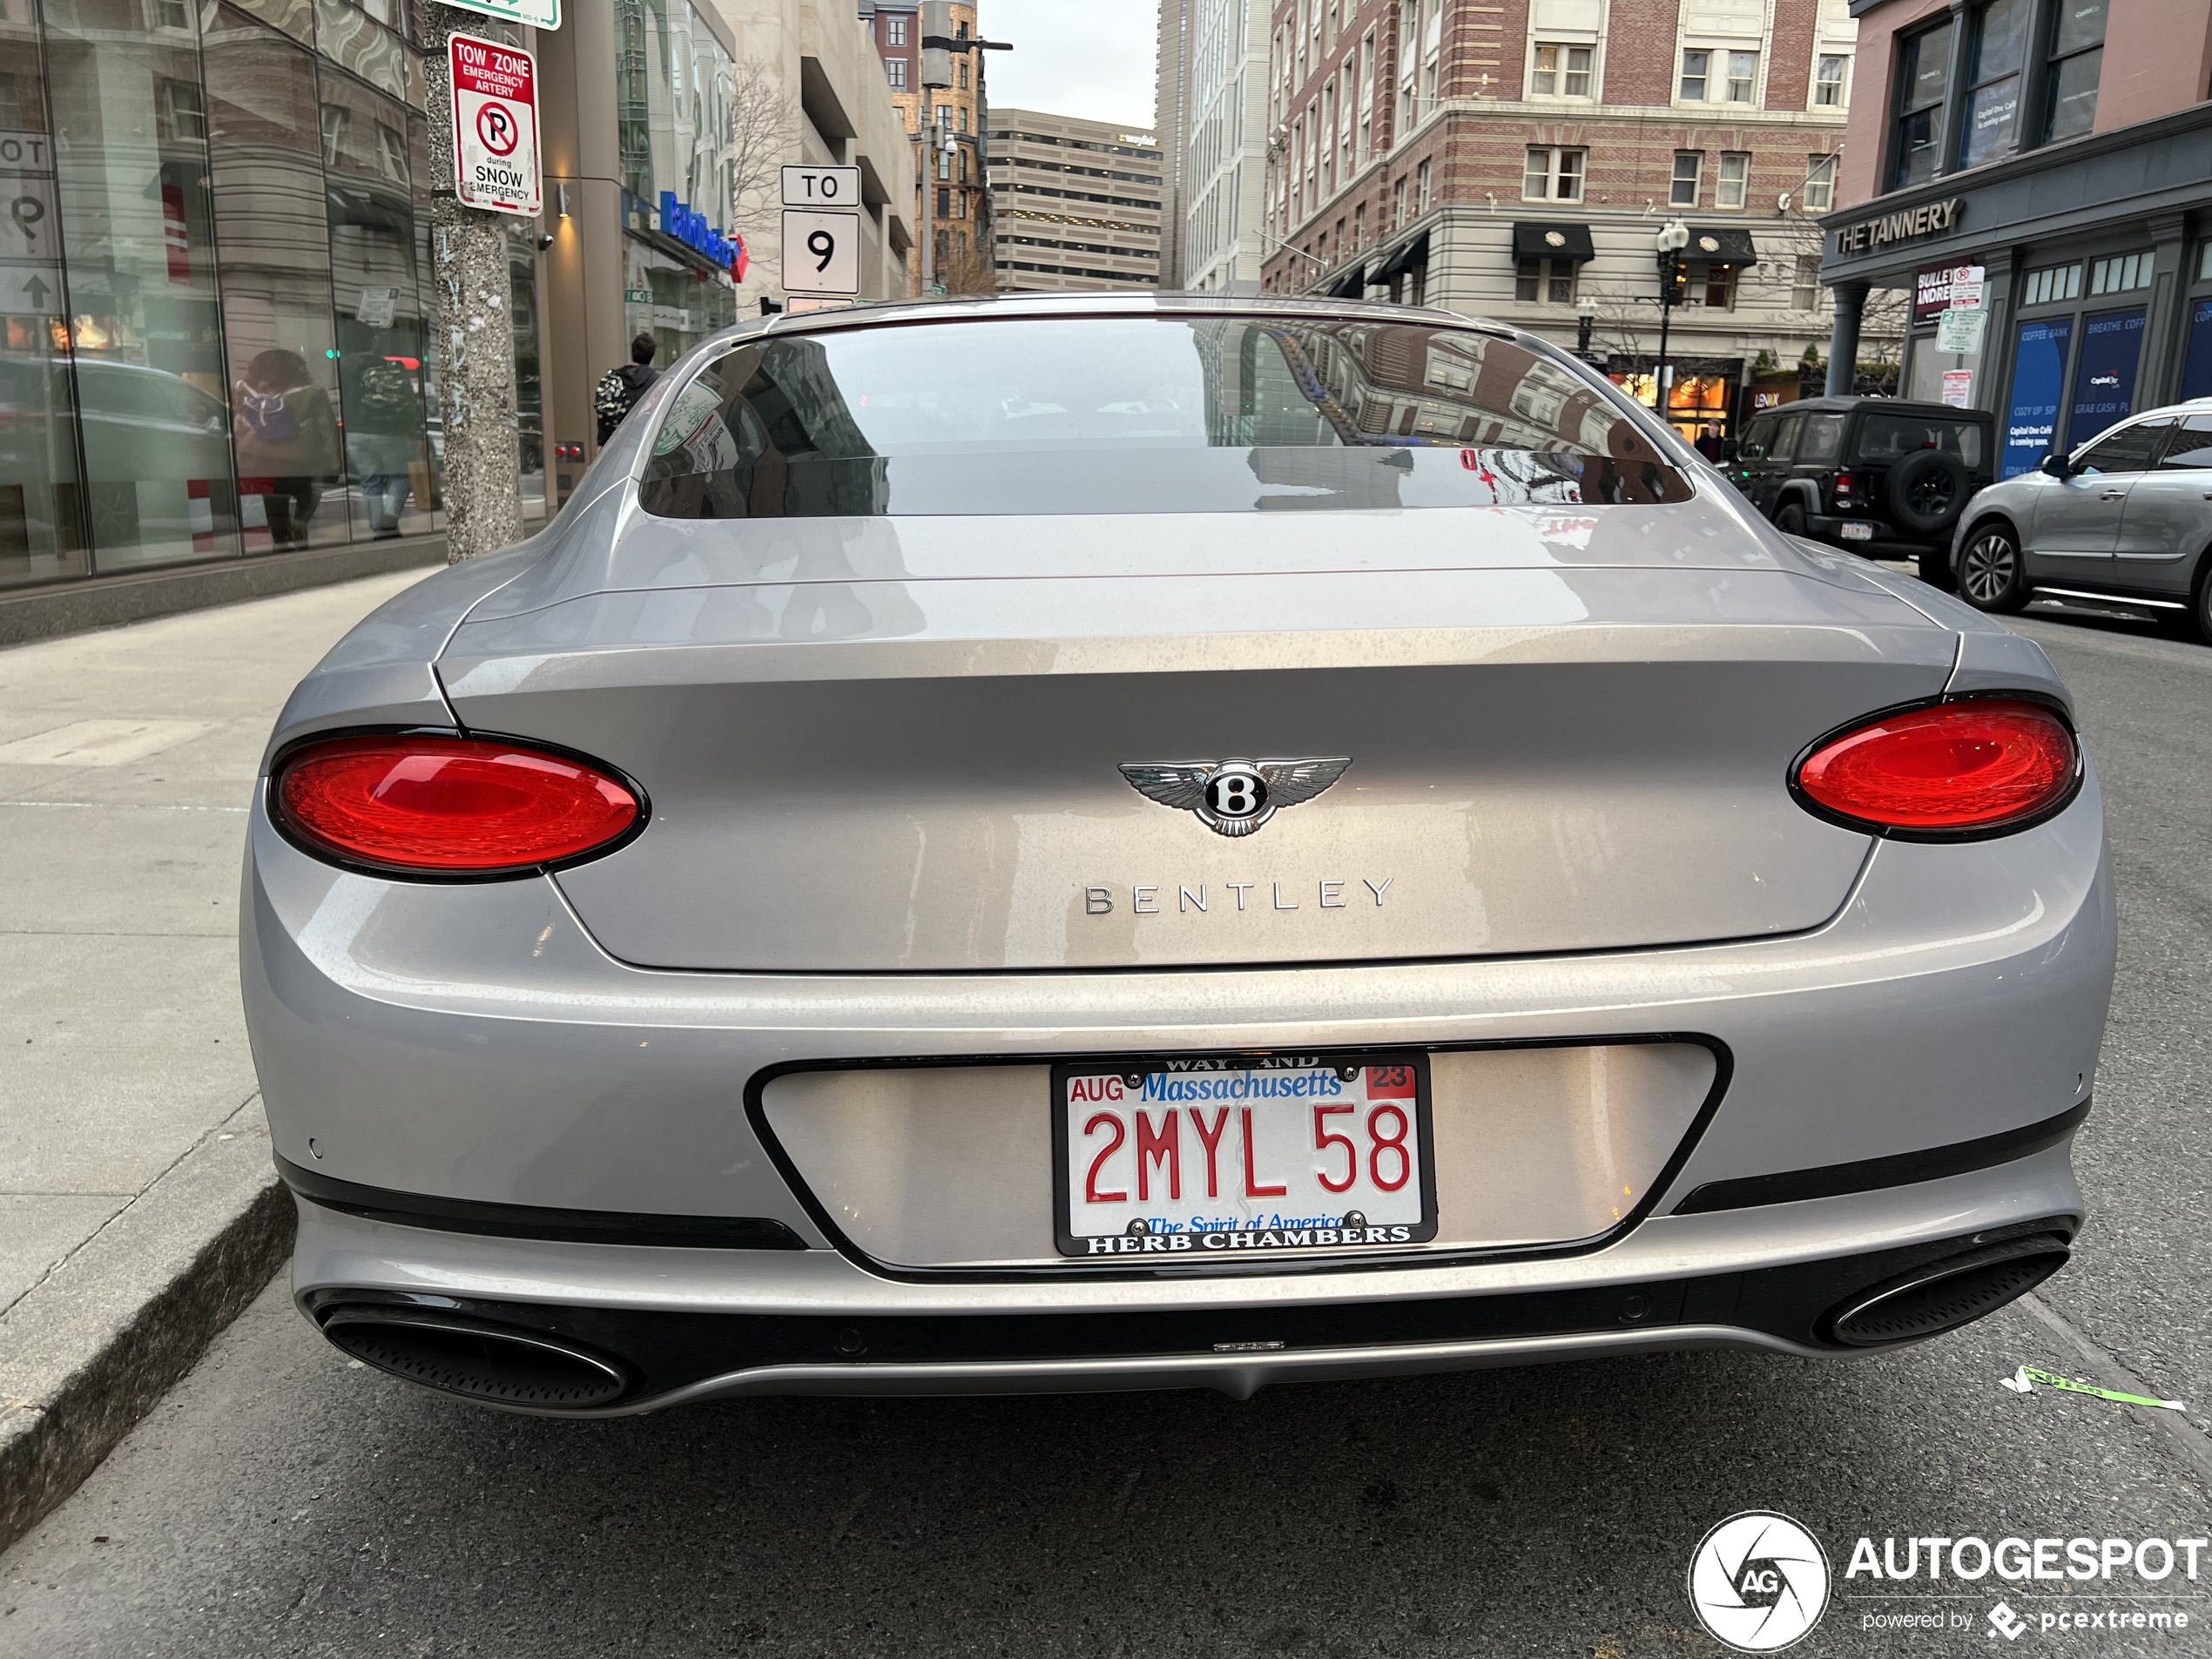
(1108,303)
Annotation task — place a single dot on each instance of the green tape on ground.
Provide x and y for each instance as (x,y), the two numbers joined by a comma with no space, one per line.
(2052,1380)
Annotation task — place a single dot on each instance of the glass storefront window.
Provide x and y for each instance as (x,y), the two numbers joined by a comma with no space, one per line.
(264,126)
(427,492)
(529,381)
(42,533)
(678,303)
(382,336)
(350,39)
(675,93)
(129,123)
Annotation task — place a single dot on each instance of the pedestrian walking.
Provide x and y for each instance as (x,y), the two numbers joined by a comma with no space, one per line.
(288,442)
(620,388)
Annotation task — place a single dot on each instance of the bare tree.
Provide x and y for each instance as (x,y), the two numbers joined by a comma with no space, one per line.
(764,135)
(1797,237)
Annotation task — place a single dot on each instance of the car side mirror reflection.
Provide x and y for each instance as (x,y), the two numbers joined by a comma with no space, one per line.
(2055,464)
(1730,451)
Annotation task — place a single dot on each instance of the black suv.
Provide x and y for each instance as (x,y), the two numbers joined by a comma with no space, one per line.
(1869,474)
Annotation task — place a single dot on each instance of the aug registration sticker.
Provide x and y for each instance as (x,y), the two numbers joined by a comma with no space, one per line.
(1188,1158)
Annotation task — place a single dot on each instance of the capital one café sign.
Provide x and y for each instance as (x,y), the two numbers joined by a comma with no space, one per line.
(1900,226)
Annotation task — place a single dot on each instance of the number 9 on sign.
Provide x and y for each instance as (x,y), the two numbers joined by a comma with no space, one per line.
(821,251)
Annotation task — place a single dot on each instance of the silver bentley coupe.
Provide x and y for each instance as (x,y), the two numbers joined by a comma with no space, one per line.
(1089,843)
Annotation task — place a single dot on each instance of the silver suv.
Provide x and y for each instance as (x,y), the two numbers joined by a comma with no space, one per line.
(2127,516)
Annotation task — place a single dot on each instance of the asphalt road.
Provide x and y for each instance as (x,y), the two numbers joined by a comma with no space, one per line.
(284,1500)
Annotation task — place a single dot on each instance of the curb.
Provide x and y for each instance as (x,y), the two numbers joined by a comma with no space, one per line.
(139,596)
(91,1348)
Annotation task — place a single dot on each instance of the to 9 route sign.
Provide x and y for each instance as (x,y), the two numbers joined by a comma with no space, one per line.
(821,253)
(495,127)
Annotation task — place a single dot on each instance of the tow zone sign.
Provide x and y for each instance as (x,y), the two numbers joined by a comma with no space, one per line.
(495,127)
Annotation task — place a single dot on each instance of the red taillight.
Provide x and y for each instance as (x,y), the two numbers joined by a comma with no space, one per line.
(461,806)
(1846,483)
(1983,764)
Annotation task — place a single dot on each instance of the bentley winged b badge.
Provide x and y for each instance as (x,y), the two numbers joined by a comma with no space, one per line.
(1233,797)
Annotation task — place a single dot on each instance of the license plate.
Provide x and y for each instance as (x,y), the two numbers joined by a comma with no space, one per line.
(1202,1159)
(1858,532)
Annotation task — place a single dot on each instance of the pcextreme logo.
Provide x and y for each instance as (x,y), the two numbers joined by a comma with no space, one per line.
(1759,1582)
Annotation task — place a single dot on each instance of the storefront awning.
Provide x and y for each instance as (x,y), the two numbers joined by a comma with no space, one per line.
(1720,244)
(1544,241)
(1351,286)
(1413,253)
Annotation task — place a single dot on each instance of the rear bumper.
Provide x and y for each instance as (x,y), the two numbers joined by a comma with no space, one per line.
(1885,537)
(691,1325)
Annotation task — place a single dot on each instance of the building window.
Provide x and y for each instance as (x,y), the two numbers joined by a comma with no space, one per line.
(1720,287)
(336,120)
(1993,81)
(1550,281)
(2118,274)
(1560,72)
(1366,99)
(1554,175)
(896,68)
(1433,48)
(1734,180)
(1743,70)
(1828,82)
(184,113)
(1923,79)
(1420,186)
(2077,58)
(896,30)
(1398,206)
(2050,285)
(944,202)
(963,74)
(1360,228)
(1805,289)
(1689,168)
(1820,184)
(1694,68)
(1408,56)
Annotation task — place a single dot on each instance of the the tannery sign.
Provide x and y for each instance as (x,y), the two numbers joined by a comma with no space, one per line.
(1896,228)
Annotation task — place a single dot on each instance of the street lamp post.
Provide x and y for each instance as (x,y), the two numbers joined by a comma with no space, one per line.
(1673,237)
(1585,319)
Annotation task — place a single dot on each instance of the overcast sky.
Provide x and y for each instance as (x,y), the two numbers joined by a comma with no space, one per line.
(1087,57)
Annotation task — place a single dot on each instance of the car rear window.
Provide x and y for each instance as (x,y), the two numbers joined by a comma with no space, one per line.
(1060,415)
(1823,439)
(1891,437)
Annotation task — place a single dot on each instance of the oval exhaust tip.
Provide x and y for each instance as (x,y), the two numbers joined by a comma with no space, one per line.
(1944,1295)
(500,1365)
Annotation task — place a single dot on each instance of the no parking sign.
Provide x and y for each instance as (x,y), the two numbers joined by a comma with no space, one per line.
(495,127)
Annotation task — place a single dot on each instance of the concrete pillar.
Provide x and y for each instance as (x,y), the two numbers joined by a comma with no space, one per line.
(1843,339)
(585,333)
(475,335)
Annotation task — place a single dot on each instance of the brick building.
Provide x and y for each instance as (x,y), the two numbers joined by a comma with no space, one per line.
(2063,149)
(961,208)
(1515,158)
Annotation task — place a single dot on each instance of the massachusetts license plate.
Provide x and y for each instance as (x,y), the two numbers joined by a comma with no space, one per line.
(1190,1159)
(1858,532)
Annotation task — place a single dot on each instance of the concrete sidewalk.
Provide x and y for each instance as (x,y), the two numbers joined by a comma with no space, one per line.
(138,1208)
